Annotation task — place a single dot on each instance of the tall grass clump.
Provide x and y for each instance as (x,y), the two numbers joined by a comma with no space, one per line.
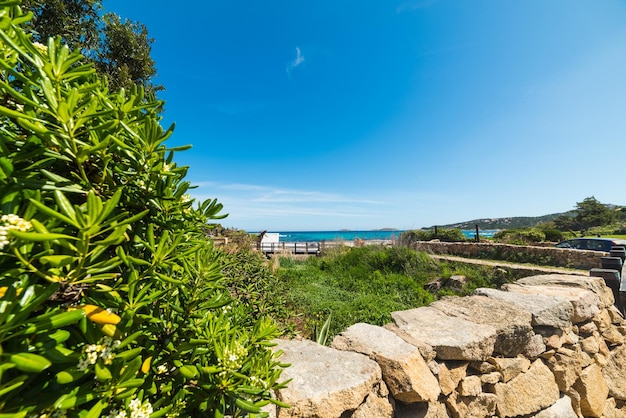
(366,284)
(112,302)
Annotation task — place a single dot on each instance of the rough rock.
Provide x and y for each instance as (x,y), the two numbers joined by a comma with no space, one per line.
(549,311)
(326,382)
(510,368)
(615,373)
(561,409)
(404,370)
(377,404)
(451,338)
(593,284)
(512,323)
(471,386)
(585,303)
(421,410)
(480,406)
(535,347)
(566,369)
(450,375)
(427,352)
(528,393)
(593,391)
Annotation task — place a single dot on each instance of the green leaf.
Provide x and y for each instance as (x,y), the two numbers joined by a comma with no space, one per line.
(29,362)
(96,410)
(65,205)
(13,384)
(247,406)
(38,237)
(102,372)
(57,260)
(189,372)
(52,213)
(131,383)
(69,376)
(57,321)
(129,354)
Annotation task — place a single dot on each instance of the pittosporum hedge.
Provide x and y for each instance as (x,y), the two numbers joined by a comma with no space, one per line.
(111,302)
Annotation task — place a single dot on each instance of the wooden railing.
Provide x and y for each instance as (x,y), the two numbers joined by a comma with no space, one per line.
(313,248)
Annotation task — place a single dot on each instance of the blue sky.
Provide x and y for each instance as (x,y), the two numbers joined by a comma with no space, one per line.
(330,114)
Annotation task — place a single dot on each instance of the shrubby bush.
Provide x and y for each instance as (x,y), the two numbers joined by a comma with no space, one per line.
(111,302)
(445,235)
(520,236)
(553,235)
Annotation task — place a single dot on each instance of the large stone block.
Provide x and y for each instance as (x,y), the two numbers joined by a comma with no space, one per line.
(527,393)
(549,311)
(594,284)
(451,338)
(512,323)
(325,382)
(561,409)
(593,391)
(585,303)
(482,405)
(450,375)
(407,375)
(614,373)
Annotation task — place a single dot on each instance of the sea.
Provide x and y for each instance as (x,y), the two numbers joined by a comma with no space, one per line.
(344,235)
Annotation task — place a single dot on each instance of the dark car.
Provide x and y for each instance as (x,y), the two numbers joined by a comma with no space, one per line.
(594,244)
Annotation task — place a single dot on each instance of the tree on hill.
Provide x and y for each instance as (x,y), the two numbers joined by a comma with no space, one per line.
(588,213)
(119,49)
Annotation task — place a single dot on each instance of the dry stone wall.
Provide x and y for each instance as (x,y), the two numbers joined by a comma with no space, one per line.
(557,257)
(547,346)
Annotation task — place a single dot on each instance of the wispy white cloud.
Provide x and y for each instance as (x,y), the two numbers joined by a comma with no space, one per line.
(266,207)
(296,62)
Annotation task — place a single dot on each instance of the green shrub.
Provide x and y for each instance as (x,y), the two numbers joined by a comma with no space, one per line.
(111,301)
(520,236)
(445,235)
(553,235)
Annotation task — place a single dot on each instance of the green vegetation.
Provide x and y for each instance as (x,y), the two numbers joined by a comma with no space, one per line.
(442,234)
(111,302)
(366,284)
(120,50)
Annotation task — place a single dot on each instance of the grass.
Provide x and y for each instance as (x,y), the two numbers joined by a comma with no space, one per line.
(366,284)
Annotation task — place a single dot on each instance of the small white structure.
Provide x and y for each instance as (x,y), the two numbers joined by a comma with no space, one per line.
(270,238)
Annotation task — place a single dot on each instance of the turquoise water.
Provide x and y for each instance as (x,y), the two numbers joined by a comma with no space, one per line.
(316,236)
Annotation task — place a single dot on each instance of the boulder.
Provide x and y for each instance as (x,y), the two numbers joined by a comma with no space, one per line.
(512,323)
(585,303)
(470,386)
(377,404)
(450,375)
(510,368)
(593,284)
(325,382)
(566,369)
(528,393)
(593,391)
(561,409)
(405,372)
(452,338)
(483,405)
(549,311)
(614,373)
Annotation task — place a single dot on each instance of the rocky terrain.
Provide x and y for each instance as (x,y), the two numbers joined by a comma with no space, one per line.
(545,346)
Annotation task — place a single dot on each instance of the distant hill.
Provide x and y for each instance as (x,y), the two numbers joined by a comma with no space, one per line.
(506,223)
